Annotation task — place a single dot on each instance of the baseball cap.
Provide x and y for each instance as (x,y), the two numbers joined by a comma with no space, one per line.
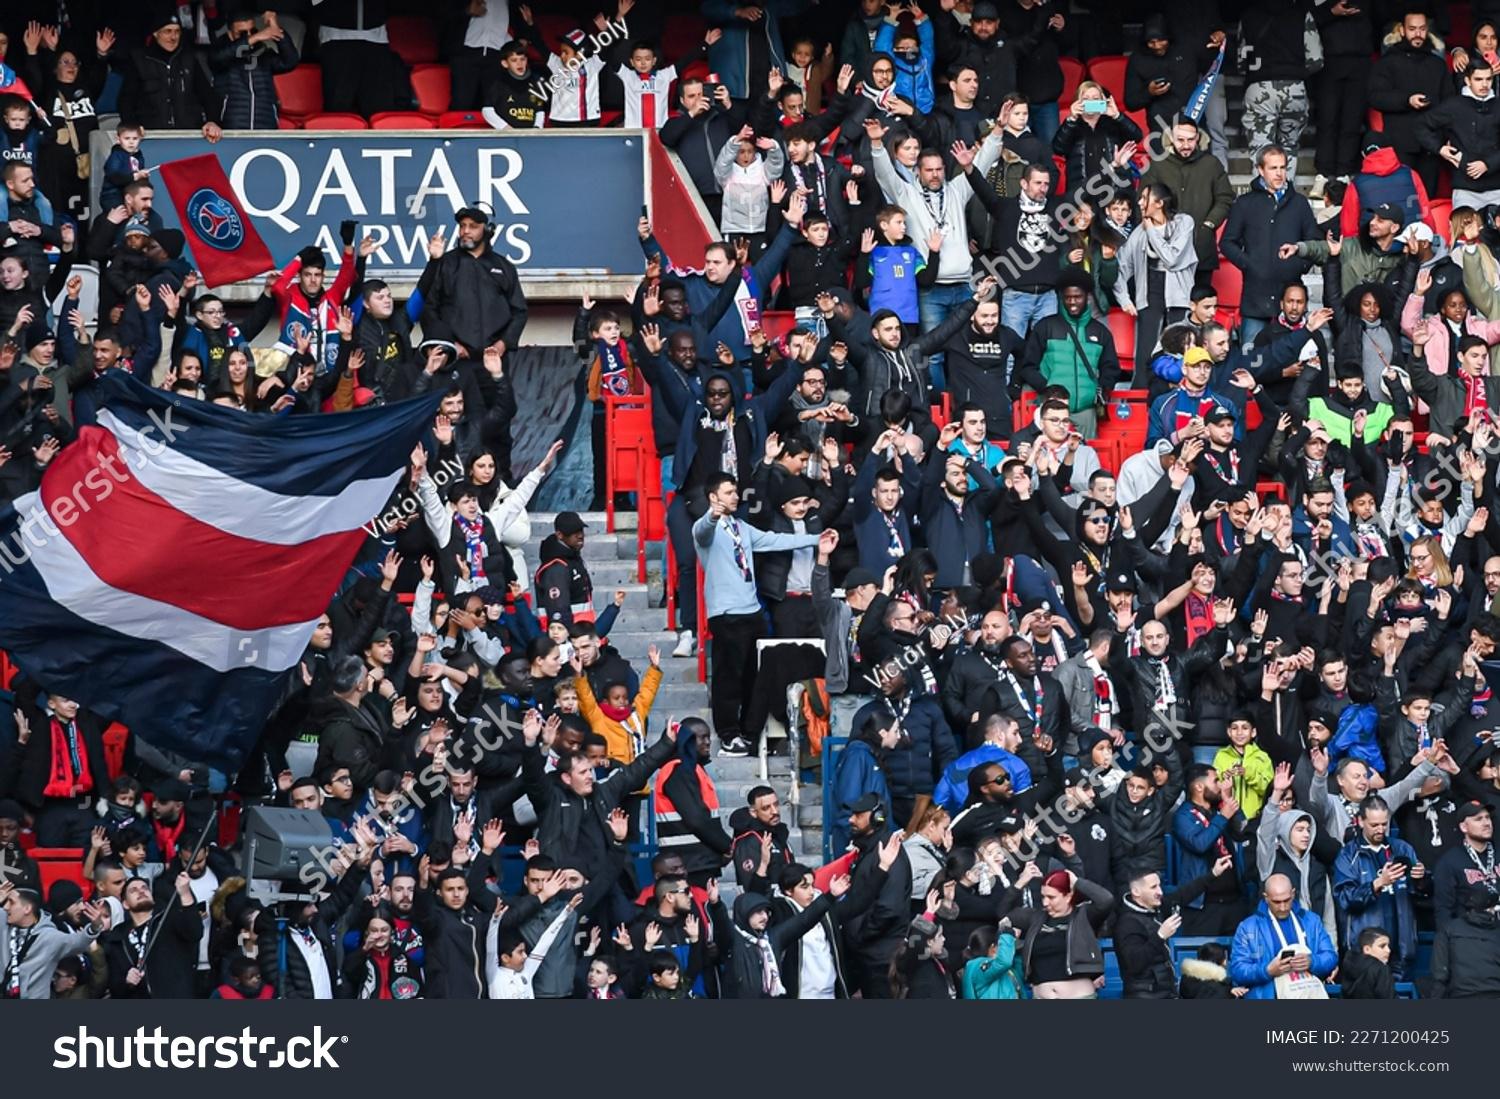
(1472,809)
(865,803)
(568,522)
(1197,355)
(1120,581)
(858,578)
(1389,211)
(476,211)
(1219,415)
(985,10)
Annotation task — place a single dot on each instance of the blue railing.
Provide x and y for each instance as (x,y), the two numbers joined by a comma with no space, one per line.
(830,765)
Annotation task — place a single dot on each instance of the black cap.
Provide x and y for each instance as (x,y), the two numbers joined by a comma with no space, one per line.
(1389,211)
(568,522)
(985,10)
(858,578)
(63,896)
(11,810)
(1120,581)
(1076,776)
(476,211)
(1219,415)
(383,635)
(1472,809)
(865,803)
(171,789)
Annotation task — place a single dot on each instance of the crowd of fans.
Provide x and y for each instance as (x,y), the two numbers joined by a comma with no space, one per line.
(1228,682)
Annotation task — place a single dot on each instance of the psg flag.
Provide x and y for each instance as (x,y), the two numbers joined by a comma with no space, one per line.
(171,567)
(225,245)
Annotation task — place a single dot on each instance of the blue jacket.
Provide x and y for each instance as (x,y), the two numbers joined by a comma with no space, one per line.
(913,78)
(730,55)
(1343,538)
(953,788)
(1256,945)
(1359,906)
(872,537)
(858,773)
(1197,845)
(702,294)
(1164,410)
(925,751)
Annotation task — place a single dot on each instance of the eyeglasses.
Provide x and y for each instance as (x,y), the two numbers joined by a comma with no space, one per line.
(1097,519)
(1417,559)
(1054,419)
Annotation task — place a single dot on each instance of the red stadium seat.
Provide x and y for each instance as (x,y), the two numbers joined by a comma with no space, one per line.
(285,123)
(1442,212)
(553,27)
(55,870)
(301,91)
(1374,120)
(1072,76)
(335,122)
(1122,328)
(1229,284)
(401,120)
(115,738)
(462,120)
(1109,72)
(777,322)
(413,38)
(433,85)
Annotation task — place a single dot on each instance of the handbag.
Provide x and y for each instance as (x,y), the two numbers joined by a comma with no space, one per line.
(82,161)
(1101,402)
(1297,986)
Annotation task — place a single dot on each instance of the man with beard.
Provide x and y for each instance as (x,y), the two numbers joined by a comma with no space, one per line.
(472,295)
(973,671)
(312,971)
(761,848)
(1406,83)
(1157,685)
(166,973)
(980,360)
(883,497)
(1468,866)
(1026,693)
(811,413)
(16,866)
(670,922)
(31,945)
(1373,881)
(991,803)
(1340,815)
(956,520)
(676,385)
(1208,827)
(980,47)
(875,934)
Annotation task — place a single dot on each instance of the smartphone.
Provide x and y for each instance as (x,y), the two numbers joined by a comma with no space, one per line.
(645,213)
(1095,106)
(1287,955)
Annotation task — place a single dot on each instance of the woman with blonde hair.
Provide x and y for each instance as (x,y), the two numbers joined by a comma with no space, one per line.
(1096,138)
(927,848)
(1428,564)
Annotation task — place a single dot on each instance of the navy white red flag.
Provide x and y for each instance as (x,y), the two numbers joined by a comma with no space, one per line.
(170,569)
(224,243)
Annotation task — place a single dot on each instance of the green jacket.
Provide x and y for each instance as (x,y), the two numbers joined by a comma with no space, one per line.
(1341,426)
(1203,192)
(1357,263)
(1051,357)
(997,978)
(1103,272)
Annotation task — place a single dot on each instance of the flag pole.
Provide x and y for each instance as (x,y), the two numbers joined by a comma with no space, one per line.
(197,847)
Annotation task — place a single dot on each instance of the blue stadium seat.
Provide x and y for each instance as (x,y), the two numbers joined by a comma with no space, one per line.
(1114,987)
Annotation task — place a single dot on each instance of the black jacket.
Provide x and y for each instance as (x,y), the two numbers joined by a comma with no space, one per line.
(172,963)
(296,983)
(36,757)
(1257,226)
(1466,958)
(245,76)
(750,835)
(1401,73)
(453,942)
(1084,957)
(855,901)
(562,582)
(350,736)
(1271,40)
(167,91)
(473,300)
(1089,150)
(874,935)
(746,970)
(1473,126)
(564,815)
(994,60)
(698,141)
(1145,957)
(1362,977)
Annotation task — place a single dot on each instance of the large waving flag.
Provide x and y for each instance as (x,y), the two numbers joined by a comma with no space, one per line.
(223,240)
(171,567)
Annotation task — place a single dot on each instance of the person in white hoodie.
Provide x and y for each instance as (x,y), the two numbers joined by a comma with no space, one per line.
(744,169)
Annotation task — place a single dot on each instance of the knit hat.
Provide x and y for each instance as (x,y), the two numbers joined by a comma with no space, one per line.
(63,896)
(11,810)
(575,38)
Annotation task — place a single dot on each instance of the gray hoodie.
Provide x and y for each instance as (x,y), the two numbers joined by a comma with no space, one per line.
(1275,835)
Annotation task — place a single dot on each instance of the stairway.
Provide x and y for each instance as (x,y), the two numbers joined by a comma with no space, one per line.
(611,561)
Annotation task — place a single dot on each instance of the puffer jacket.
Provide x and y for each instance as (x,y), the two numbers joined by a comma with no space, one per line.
(1256,945)
(245,76)
(1383,178)
(167,91)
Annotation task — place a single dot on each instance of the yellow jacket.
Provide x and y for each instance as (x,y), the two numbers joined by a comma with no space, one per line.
(621,736)
(1249,788)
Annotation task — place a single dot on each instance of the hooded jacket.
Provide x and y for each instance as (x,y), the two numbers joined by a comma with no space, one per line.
(913,78)
(1274,854)
(1051,356)
(696,833)
(564,589)
(874,934)
(1382,178)
(859,772)
(750,837)
(1138,829)
(1362,977)
(1360,906)
(1179,67)
(748,972)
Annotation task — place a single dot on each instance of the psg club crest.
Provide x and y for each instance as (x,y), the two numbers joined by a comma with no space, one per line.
(215,221)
